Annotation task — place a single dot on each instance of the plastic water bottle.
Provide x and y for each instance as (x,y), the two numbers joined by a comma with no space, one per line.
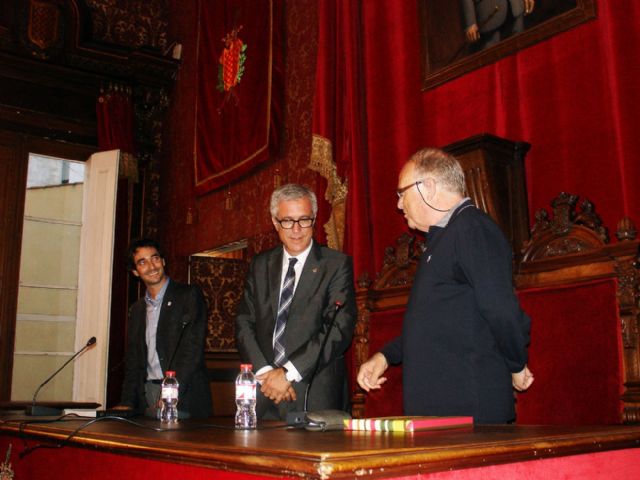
(246,398)
(169,396)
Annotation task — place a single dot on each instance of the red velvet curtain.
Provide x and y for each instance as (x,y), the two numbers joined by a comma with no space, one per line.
(240,88)
(339,116)
(114,111)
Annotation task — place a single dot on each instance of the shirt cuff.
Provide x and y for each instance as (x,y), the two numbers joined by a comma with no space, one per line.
(292,373)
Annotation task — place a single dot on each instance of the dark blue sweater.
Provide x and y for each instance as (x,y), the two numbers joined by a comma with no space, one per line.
(463,332)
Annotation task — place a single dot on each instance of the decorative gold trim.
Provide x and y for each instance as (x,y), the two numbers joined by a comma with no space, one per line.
(321,161)
(6,472)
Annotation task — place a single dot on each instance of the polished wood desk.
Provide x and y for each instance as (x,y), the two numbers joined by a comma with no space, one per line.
(204,451)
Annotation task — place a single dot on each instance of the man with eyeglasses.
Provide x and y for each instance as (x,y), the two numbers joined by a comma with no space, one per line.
(285,323)
(464,339)
(166,331)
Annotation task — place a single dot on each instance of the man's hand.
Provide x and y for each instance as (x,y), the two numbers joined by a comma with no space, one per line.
(473,34)
(276,387)
(369,375)
(522,380)
(528,6)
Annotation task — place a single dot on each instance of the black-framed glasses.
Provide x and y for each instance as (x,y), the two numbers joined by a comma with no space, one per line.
(288,223)
(401,190)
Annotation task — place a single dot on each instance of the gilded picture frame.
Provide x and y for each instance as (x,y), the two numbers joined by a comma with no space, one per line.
(447,53)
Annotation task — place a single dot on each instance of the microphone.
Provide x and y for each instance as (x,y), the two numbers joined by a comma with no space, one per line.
(322,419)
(41,410)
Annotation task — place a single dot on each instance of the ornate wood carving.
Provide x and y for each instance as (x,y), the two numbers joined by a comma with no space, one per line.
(222,282)
(150,104)
(132,24)
(42,34)
(567,233)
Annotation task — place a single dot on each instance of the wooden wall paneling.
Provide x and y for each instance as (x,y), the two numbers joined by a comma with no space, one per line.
(494,173)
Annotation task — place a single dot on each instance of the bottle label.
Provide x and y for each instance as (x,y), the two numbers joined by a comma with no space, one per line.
(246,392)
(169,392)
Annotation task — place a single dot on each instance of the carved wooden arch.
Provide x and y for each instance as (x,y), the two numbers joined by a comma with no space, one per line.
(568,232)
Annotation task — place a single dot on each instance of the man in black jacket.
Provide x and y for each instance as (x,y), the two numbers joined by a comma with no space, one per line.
(166,331)
(464,337)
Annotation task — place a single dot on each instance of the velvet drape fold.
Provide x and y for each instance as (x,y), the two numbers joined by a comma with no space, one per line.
(339,116)
(114,111)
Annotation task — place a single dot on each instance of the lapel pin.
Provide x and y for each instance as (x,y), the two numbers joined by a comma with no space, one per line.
(169,303)
(315,270)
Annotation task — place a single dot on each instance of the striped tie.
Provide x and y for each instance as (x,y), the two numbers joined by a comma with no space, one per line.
(283,312)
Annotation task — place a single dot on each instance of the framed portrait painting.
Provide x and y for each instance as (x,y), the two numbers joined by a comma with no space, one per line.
(461,35)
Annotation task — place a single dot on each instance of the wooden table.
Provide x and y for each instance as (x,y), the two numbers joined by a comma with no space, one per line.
(213,446)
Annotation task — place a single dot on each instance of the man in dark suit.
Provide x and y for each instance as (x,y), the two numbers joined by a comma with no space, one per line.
(285,315)
(489,21)
(166,331)
(464,338)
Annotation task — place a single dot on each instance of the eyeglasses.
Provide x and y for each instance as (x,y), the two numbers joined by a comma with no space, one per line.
(401,190)
(288,223)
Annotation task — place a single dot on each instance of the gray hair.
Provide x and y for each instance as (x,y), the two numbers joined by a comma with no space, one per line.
(292,191)
(444,167)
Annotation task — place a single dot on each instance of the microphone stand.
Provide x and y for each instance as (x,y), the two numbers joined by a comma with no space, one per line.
(299,418)
(185,322)
(41,410)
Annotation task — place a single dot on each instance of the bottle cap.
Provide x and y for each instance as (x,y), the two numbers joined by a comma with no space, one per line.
(247,366)
(170,373)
